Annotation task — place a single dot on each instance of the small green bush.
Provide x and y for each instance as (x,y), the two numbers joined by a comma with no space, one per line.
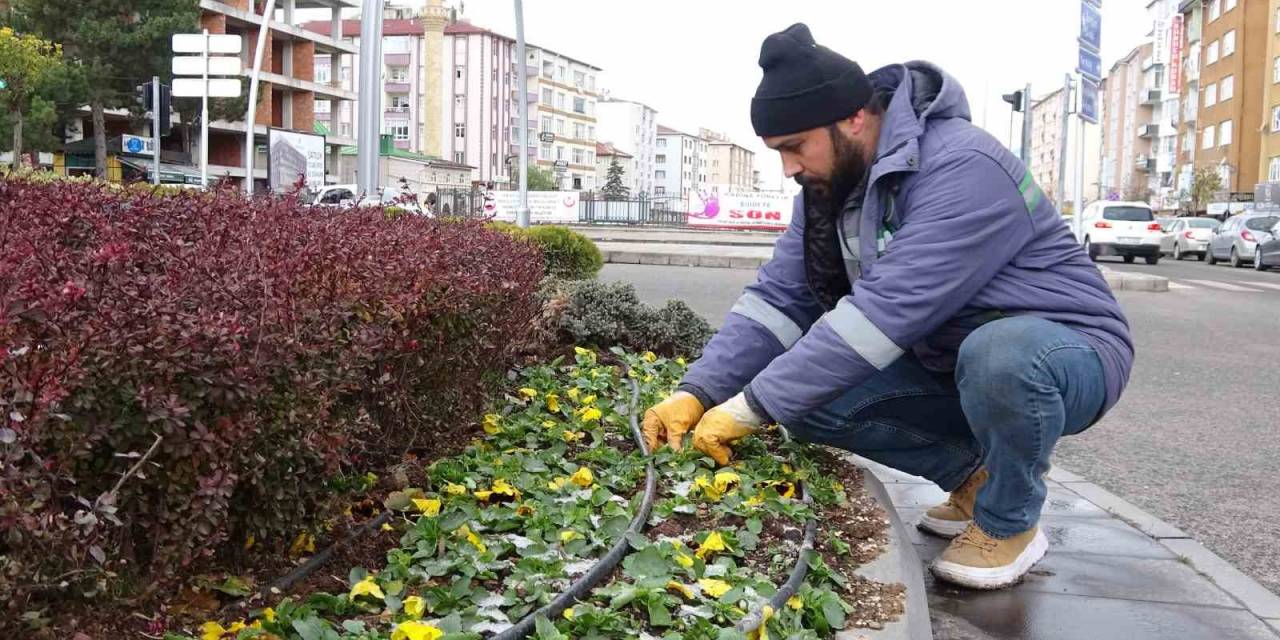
(606,314)
(566,254)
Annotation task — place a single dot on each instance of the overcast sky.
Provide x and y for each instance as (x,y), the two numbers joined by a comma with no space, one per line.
(695,60)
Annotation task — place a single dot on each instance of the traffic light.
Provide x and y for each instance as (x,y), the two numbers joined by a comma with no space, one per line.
(166,103)
(1014,99)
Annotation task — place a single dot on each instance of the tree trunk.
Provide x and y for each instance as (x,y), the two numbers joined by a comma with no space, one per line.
(99,138)
(17,139)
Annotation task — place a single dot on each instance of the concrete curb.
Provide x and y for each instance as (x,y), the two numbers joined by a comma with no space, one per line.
(1125,281)
(683,259)
(898,564)
(1254,597)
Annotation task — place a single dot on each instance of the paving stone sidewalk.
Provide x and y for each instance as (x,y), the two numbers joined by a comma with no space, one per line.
(1112,571)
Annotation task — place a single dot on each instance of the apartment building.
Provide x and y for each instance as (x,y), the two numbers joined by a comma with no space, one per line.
(1269,154)
(566,93)
(680,163)
(730,166)
(1046,136)
(1128,128)
(1236,36)
(630,127)
(288,89)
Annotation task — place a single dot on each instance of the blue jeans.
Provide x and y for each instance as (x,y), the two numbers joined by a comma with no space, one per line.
(1020,384)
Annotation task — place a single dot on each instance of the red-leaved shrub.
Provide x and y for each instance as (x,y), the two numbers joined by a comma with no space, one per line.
(262,344)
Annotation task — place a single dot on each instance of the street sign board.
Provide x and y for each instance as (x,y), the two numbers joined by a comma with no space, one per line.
(218,87)
(194,66)
(1090,25)
(194,43)
(1088,100)
(562,164)
(547,136)
(1090,65)
(137,145)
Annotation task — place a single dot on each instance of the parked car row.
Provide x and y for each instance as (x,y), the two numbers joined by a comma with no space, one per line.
(1130,230)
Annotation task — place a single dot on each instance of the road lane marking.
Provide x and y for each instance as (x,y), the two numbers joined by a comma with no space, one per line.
(1224,286)
(1174,284)
(1268,285)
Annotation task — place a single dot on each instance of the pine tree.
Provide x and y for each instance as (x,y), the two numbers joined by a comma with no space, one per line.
(613,187)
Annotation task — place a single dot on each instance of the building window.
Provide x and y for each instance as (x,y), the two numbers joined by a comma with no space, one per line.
(400,131)
(395,44)
(1231,4)
(322,75)
(591,132)
(579,105)
(591,83)
(560,72)
(1227,89)
(559,152)
(1275,119)
(660,175)
(560,126)
(546,97)
(548,69)
(1277,20)
(662,142)
(460,130)
(1224,134)
(1211,54)
(560,101)
(1207,138)
(577,156)
(579,131)
(399,103)
(660,158)
(1211,95)
(1215,9)
(579,78)
(546,123)
(591,157)
(1273,169)
(458,156)
(1229,43)
(344,129)
(398,74)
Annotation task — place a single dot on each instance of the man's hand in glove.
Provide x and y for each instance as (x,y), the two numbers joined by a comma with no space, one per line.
(723,425)
(668,421)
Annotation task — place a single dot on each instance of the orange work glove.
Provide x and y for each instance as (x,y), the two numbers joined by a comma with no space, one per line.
(668,421)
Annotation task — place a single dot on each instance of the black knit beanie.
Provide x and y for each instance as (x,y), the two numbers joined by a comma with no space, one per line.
(805,85)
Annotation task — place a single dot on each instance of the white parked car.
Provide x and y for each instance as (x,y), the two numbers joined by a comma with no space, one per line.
(1188,237)
(333,195)
(1125,229)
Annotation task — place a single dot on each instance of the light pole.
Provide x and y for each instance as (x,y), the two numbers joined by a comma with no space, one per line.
(370,97)
(522,215)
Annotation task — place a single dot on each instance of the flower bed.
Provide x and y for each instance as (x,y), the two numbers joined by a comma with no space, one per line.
(503,528)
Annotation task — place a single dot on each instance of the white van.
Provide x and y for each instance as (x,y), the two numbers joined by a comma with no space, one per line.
(1125,229)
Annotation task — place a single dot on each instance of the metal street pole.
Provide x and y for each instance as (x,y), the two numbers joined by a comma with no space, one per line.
(1081,123)
(1061,190)
(370,98)
(155,124)
(204,113)
(1026,126)
(522,214)
(250,143)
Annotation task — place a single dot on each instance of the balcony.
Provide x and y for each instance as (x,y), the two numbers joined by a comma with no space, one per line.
(1149,131)
(530,96)
(1151,97)
(1144,162)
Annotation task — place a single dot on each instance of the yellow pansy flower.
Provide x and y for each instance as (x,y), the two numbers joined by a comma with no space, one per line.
(583,477)
(590,414)
(570,435)
(682,589)
(568,534)
(553,403)
(649,356)
(366,587)
(684,560)
(454,489)
(415,630)
(491,423)
(713,587)
(528,393)
(568,613)
(762,632)
(415,606)
(714,542)
(795,602)
(589,399)
(211,631)
(680,361)
(557,484)
(465,532)
(387,527)
(269,614)
(525,509)
(548,424)
(429,507)
(583,352)
(755,501)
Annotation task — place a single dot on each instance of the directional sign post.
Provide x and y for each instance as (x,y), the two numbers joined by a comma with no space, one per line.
(1089,66)
(1088,100)
(204,65)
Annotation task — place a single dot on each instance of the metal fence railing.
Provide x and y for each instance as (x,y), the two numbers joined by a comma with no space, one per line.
(656,211)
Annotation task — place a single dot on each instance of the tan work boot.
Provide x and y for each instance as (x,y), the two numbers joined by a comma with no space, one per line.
(950,518)
(976,560)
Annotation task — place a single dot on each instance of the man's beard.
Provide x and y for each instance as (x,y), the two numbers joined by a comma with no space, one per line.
(848,169)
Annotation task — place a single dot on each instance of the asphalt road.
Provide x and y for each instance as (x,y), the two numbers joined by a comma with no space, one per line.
(1196,438)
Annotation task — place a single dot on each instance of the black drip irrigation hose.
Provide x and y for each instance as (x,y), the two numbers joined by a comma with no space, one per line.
(605,565)
(755,618)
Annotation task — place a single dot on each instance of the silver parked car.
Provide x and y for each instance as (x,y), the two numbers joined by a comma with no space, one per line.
(1188,237)
(1237,239)
(1268,252)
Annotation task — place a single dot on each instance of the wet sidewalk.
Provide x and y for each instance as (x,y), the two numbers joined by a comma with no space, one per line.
(1112,571)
